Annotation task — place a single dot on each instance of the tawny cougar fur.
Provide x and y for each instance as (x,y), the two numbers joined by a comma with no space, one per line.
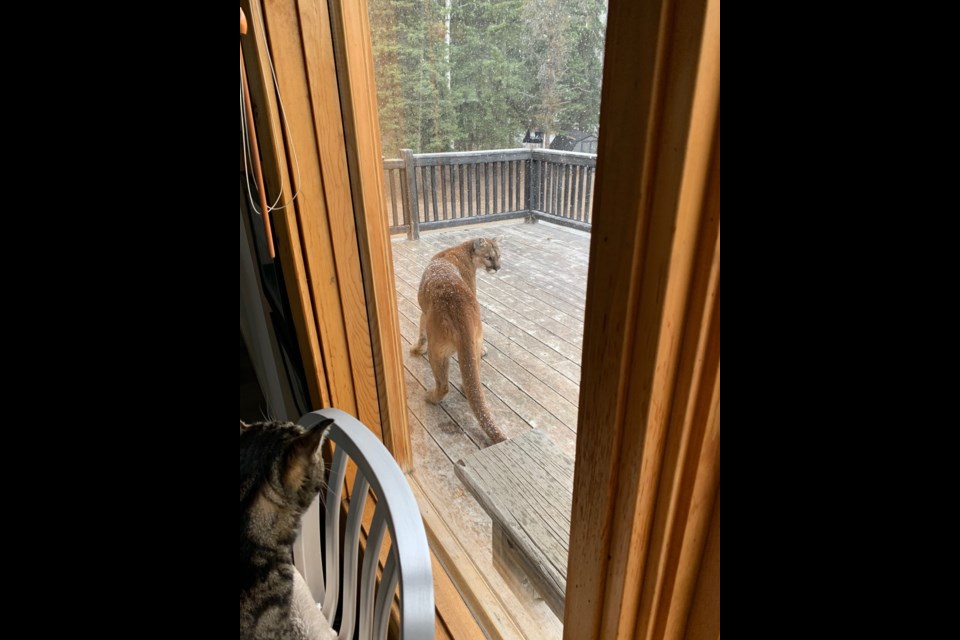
(450,321)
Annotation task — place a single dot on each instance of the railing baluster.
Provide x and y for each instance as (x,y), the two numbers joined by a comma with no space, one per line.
(555,184)
(583,191)
(518,174)
(433,193)
(494,193)
(503,186)
(461,175)
(574,191)
(477,187)
(454,184)
(575,188)
(546,186)
(443,187)
(492,177)
(492,182)
(486,188)
(542,189)
(589,203)
(558,196)
(395,215)
(424,191)
(424,194)
(528,182)
(470,183)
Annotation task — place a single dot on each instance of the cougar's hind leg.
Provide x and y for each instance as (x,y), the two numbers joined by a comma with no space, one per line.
(441,368)
(418,348)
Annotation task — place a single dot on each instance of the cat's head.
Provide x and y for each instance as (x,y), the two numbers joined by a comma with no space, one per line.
(281,471)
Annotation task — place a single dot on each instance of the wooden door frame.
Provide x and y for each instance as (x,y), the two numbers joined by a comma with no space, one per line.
(646,488)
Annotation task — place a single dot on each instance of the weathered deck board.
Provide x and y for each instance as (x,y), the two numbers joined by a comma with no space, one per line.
(435,471)
(526,485)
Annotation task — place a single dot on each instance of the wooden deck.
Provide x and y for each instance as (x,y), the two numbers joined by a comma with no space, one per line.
(533,328)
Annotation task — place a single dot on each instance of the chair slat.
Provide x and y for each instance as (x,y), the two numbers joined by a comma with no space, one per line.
(351,554)
(338,471)
(368,580)
(385,596)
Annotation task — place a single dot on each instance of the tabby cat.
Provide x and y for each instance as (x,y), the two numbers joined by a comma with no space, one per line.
(281,472)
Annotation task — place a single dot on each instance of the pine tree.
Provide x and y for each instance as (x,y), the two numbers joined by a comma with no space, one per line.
(579,88)
(475,74)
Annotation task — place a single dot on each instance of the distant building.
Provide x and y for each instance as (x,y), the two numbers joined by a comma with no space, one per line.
(575,141)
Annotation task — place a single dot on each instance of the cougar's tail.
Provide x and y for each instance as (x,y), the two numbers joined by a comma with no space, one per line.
(470,372)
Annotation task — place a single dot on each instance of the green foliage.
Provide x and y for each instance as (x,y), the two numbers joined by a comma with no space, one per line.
(463,75)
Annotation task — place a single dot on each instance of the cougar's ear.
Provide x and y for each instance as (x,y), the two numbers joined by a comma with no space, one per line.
(478,244)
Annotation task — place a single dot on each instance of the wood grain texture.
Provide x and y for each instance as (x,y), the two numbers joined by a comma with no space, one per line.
(453,617)
(354,53)
(692,453)
(494,610)
(287,47)
(526,485)
(323,84)
(704,621)
(649,215)
(279,175)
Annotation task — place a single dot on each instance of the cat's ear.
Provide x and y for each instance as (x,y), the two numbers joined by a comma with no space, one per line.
(302,452)
(310,442)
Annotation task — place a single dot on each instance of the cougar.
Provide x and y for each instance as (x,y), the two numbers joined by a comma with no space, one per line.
(450,321)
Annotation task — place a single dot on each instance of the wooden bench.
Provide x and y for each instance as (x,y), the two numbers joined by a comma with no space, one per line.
(526,485)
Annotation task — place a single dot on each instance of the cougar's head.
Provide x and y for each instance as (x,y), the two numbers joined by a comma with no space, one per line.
(486,254)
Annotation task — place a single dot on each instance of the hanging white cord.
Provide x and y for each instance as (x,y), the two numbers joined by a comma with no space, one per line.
(283,112)
(246,135)
(246,151)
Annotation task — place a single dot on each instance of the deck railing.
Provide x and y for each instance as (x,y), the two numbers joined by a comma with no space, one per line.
(440,190)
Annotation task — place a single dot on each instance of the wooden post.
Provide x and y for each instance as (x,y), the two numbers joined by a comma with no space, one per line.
(411,208)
